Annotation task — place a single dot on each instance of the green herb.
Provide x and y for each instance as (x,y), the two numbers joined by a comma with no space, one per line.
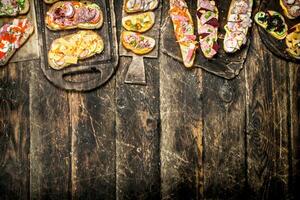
(21,3)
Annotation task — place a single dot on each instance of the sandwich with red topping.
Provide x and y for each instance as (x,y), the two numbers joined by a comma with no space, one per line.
(14,7)
(291,8)
(74,14)
(184,30)
(207,18)
(137,43)
(12,36)
(238,23)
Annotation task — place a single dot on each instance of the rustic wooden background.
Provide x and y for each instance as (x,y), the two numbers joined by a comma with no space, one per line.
(186,135)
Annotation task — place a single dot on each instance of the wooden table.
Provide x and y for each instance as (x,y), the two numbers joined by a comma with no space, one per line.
(186,135)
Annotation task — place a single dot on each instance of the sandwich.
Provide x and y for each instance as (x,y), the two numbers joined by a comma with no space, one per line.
(137,42)
(133,6)
(12,36)
(184,30)
(69,49)
(237,26)
(65,15)
(291,8)
(14,7)
(139,22)
(292,41)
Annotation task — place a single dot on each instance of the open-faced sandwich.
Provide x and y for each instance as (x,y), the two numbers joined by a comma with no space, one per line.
(139,22)
(74,14)
(184,30)
(273,22)
(12,36)
(292,41)
(207,18)
(67,50)
(14,7)
(137,43)
(291,8)
(133,6)
(238,23)
(50,1)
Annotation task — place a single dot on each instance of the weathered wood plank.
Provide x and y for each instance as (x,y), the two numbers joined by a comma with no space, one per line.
(14,131)
(137,125)
(294,103)
(50,160)
(92,118)
(267,131)
(224,137)
(182,128)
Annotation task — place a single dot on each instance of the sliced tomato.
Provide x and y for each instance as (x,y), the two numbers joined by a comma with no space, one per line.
(96,18)
(2,55)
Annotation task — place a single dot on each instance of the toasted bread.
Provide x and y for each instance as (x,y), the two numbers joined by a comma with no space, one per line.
(137,43)
(235,39)
(69,49)
(263,20)
(16,10)
(50,1)
(184,31)
(139,22)
(292,41)
(288,12)
(52,25)
(132,6)
(26,35)
(26,8)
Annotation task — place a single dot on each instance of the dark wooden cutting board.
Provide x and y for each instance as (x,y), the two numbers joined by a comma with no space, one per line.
(223,64)
(90,73)
(278,47)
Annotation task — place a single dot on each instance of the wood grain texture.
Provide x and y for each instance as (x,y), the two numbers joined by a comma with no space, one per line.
(50,159)
(181,131)
(92,118)
(294,97)
(267,131)
(224,137)
(14,131)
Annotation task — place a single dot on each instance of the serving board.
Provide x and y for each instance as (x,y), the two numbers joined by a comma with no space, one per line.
(90,73)
(136,70)
(223,64)
(277,47)
(30,50)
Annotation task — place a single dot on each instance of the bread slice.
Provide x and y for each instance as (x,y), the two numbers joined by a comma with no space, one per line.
(50,1)
(286,11)
(292,41)
(134,45)
(55,27)
(23,40)
(131,6)
(26,8)
(278,35)
(74,47)
(185,37)
(139,22)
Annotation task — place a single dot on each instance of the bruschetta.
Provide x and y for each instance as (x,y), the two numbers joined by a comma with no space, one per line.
(184,30)
(273,22)
(139,22)
(50,1)
(291,8)
(137,43)
(12,36)
(69,49)
(292,41)
(14,7)
(207,18)
(65,15)
(237,26)
(133,6)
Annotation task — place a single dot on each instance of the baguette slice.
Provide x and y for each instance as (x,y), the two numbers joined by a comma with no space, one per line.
(50,1)
(137,43)
(69,49)
(184,31)
(72,22)
(237,26)
(292,41)
(139,22)
(26,7)
(133,6)
(28,29)
(265,20)
(291,11)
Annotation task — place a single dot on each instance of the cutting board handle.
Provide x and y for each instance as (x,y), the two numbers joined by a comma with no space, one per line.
(136,71)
